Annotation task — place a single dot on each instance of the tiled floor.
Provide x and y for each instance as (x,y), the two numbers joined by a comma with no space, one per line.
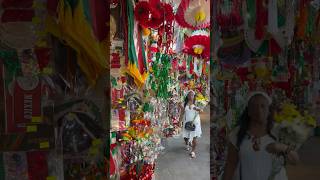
(176,164)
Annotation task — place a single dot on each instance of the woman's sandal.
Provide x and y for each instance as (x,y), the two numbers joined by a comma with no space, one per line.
(193,155)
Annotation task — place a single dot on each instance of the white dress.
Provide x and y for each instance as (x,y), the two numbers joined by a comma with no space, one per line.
(255,165)
(189,114)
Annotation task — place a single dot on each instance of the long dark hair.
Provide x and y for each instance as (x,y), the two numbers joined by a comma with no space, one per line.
(244,122)
(186,100)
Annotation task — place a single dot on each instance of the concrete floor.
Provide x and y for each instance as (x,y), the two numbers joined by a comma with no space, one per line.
(176,164)
(309,166)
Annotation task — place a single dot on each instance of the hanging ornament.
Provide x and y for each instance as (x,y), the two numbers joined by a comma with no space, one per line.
(146,31)
(153,13)
(279,34)
(194,14)
(229,17)
(198,44)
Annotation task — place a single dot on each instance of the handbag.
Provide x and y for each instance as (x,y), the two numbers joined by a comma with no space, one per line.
(190,126)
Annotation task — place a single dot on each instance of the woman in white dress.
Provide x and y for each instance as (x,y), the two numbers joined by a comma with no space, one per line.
(191,113)
(252,147)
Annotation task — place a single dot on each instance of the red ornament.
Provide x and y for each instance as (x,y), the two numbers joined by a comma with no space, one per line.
(180,17)
(153,14)
(198,40)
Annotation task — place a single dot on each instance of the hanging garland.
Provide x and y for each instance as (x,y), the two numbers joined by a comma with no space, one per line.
(133,69)
(161,79)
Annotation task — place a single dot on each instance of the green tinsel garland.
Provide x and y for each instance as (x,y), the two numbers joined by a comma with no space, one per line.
(147,107)
(161,78)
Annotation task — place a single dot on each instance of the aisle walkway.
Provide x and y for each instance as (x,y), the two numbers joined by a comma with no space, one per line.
(309,167)
(176,164)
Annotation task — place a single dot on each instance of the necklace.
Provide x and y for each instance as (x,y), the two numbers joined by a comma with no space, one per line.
(256,142)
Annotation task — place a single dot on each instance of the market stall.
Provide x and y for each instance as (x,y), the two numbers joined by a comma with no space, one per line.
(159,51)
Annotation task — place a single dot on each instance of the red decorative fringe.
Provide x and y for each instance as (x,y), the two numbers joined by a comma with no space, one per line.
(160,12)
(198,40)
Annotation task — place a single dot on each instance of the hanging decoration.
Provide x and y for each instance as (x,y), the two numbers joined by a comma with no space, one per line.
(267,37)
(161,79)
(73,27)
(146,109)
(153,13)
(198,44)
(194,14)
(229,17)
(133,65)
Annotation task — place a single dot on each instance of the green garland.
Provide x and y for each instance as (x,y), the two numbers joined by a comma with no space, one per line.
(161,78)
(147,107)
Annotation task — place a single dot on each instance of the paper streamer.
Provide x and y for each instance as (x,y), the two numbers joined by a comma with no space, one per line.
(272,17)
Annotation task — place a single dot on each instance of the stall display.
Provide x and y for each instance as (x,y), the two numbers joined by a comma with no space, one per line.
(149,89)
(53,125)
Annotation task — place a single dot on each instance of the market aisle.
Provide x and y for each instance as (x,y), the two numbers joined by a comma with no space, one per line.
(309,167)
(176,164)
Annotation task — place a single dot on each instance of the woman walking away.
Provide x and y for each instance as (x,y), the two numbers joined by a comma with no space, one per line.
(191,113)
(253,148)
